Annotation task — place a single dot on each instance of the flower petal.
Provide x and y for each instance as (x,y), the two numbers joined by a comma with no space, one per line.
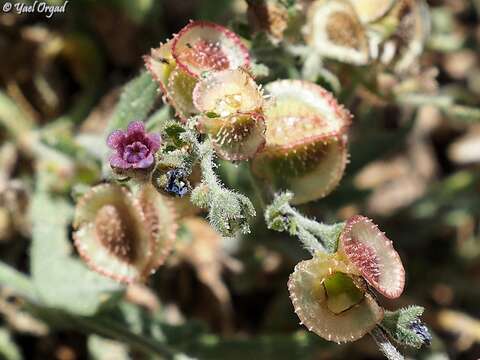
(115,139)
(135,127)
(145,163)
(118,163)
(154,141)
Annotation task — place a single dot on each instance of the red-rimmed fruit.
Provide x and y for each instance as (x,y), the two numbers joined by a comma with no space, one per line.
(231,107)
(204,46)
(330,298)
(335,31)
(372,10)
(123,236)
(175,84)
(306,150)
(372,253)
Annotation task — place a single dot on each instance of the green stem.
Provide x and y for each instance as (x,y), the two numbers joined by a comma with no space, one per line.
(207,164)
(118,332)
(385,346)
(315,236)
(327,234)
(260,192)
(443,102)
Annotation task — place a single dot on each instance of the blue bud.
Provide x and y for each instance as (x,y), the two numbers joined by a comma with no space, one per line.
(422,331)
(177,183)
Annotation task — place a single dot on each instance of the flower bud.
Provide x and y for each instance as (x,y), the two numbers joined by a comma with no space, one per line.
(231,104)
(421,330)
(335,31)
(123,236)
(175,183)
(331,299)
(305,149)
(372,253)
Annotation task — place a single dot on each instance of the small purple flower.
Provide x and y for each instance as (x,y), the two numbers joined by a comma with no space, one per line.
(134,148)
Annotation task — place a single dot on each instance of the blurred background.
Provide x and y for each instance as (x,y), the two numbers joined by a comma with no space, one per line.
(414,168)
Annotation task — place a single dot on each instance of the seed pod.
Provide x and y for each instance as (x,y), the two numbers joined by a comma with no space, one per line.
(331,299)
(269,16)
(122,236)
(335,31)
(412,32)
(372,253)
(405,30)
(231,104)
(175,84)
(161,220)
(180,88)
(372,10)
(204,46)
(305,149)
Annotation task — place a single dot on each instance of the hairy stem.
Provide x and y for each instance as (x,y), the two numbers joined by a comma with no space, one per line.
(229,212)
(315,236)
(385,346)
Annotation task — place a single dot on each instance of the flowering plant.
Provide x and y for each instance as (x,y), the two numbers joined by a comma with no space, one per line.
(238,181)
(297,140)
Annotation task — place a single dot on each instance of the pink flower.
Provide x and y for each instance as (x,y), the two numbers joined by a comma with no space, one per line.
(133,148)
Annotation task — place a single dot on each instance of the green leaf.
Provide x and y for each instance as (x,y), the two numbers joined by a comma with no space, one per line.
(17,282)
(405,327)
(135,103)
(15,121)
(212,114)
(159,120)
(174,131)
(8,349)
(300,346)
(61,281)
(101,348)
